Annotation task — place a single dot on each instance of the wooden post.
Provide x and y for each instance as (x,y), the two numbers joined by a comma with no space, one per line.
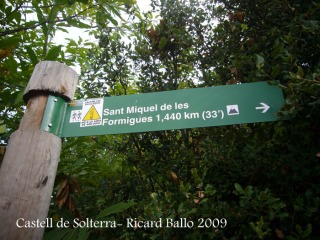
(29,166)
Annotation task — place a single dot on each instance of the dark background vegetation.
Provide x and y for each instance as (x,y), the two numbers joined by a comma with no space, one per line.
(262,177)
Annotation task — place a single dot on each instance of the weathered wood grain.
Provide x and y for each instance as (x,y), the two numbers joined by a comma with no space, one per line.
(52,77)
(30,163)
(26,183)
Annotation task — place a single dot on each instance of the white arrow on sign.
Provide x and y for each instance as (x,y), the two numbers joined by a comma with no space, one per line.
(264,106)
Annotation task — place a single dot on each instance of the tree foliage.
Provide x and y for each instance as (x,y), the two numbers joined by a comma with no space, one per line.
(29,32)
(263,178)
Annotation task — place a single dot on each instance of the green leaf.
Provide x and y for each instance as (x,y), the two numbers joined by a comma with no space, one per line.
(300,73)
(116,11)
(9,42)
(16,16)
(83,234)
(259,61)
(163,42)
(119,207)
(18,98)
(292,75)
(238,188)
(276,70)
(53,53)
(12,64)
(52,16)
(8,10)
(111,19)
(78,24)
(30,24)
(62,29)
(56,234)
(41,18)
(33,57)
(3,128)
(71,235)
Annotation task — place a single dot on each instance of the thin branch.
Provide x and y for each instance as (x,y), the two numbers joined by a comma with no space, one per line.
(4,33)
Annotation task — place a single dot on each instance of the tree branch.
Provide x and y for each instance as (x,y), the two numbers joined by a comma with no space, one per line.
(4,33)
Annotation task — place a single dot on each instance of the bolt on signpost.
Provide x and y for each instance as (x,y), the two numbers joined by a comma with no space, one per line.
(29,167)
(28,171)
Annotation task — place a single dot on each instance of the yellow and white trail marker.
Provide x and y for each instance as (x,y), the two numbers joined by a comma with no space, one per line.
(92,112)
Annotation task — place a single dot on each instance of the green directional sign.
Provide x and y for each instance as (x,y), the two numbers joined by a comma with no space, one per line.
(188,108)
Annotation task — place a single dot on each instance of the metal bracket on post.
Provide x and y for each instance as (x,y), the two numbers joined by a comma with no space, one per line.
(54,115)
